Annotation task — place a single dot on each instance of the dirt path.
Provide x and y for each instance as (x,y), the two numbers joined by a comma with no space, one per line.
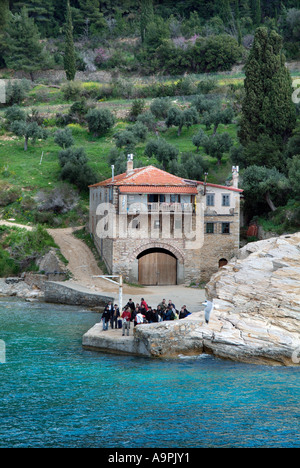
(7,223)
(82,263)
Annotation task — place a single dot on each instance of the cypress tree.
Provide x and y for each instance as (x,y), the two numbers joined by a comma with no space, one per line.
(4,18)
(69,58)
(223,10)
(147,16)
(257,16)
(268,113)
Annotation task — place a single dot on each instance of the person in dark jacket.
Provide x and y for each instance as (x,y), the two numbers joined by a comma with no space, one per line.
(106,315)
(170,314)
(130,304)
(115,314)
(183,312)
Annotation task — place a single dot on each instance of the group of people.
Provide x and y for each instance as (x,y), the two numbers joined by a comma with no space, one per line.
(140,313)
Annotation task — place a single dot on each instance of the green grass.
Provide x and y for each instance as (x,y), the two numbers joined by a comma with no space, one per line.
(19,249)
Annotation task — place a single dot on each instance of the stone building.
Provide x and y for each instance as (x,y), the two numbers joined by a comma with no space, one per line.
(158,229)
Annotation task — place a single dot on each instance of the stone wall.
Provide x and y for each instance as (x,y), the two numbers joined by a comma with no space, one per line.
(62,293)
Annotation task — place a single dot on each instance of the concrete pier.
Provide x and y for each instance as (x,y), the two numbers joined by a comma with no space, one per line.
(112,341)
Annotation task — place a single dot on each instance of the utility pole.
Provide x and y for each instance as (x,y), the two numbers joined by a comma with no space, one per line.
(118,283)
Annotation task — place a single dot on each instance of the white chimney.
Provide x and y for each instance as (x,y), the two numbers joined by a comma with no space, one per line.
(235,176)
(113,173)
(129,163)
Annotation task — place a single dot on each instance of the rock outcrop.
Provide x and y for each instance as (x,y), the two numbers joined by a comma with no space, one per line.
(256,318)
(258,297)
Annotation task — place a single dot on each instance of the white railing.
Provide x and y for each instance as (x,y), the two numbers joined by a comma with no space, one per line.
(163,207)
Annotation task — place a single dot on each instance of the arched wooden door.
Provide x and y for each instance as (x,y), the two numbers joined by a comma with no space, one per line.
(157,267)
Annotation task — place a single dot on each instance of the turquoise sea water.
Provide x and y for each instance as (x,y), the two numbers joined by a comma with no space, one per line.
(55,394)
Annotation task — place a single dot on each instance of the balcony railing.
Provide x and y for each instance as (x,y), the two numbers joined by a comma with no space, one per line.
(157,207)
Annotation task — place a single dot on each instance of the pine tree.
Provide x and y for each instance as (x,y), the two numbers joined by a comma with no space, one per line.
(42,11)
(268,111)
(69,59)
(147,16)
(23,49)
(4,13)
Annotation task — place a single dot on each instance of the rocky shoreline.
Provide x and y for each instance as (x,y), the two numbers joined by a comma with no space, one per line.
(21,290)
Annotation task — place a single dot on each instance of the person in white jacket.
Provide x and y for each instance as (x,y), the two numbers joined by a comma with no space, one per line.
(139,318)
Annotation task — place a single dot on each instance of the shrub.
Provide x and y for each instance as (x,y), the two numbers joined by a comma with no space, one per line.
(71,90)
(8,194)
(159,107)
(139,130)
(64,138)
(99,121)
(126,140)
(148,119)
(26,247)
(17,91)
(15,113)
(75,170)
(162,150)
(137,108)
(8,266)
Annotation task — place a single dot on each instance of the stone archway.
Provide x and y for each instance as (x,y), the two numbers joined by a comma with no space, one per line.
(159,245)
(157,264)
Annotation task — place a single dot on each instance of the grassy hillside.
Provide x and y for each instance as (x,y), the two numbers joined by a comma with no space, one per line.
(23,175)
(38,168)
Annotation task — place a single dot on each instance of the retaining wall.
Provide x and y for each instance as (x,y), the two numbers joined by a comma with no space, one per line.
(62,293)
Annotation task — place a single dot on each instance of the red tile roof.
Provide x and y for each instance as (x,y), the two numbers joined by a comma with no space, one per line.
(150,179)
(148,176)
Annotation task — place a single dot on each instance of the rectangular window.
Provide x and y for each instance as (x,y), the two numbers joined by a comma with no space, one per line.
(210,228)
(225,228)
(210,199)
(225,200)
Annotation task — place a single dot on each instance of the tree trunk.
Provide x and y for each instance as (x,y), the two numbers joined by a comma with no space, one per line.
(215,129)
(269,201)
(26,144)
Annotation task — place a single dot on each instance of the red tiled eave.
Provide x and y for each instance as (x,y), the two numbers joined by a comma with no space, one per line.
(224,187)
(158,189)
